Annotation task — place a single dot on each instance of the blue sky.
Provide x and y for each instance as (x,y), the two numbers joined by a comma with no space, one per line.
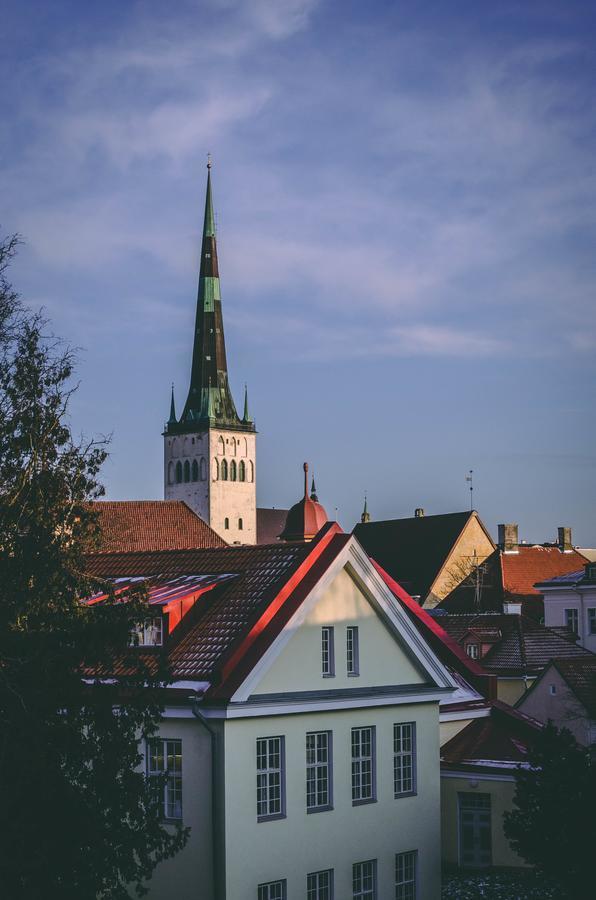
(406,203)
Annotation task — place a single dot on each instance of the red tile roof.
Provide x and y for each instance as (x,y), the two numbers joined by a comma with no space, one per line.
(223,635)
(580,675)
(143,525)
(499,740)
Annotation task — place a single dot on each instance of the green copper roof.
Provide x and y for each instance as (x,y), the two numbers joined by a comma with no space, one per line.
(172,419)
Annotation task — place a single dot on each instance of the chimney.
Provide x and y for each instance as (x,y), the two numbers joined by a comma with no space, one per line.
(419,513)
(508,539)
(564,541)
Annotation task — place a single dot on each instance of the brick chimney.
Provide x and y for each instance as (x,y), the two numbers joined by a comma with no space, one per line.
(564,540)
(419,513)
(508,539)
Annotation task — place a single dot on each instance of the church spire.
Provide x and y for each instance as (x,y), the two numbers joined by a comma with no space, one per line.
(172,419)
(209,400)
(365,517)
(313,490)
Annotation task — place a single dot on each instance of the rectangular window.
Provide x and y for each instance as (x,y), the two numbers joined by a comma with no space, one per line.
(404,759)
(363,765)
(591,620)
(164,766)
(472,651)
(352,655)
(148,633)
(319,885)
(270,778)
(273,890)
(572,620)
(327,652)
(405,875)
(364,880)
(319,789)
(474,829)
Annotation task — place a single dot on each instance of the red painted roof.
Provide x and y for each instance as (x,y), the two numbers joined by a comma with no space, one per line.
(522,570)
(503,737)
(143,525)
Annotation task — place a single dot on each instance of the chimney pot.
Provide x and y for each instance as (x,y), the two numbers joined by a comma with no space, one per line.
(564,541)
(419,513)
(508,537)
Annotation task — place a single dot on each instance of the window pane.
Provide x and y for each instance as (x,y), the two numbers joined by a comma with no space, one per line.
(362,764)
(405,875)
(269,776)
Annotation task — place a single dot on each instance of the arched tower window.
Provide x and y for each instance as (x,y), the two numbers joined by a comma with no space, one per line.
(186,471)
(226,523)
(175,447)
(178,472)
(242,471)
(240,525)
(186,447)
(215,469)
(251,470)
(233,470)
(170,472)
(223,470)
(243,447)
(221,447)
(195,470)
(233,446)
(203,469)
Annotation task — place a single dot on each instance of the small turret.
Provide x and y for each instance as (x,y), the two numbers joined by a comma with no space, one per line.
(365,517)
(306,517)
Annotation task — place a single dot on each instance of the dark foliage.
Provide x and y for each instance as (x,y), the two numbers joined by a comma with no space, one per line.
(553,824)
(78,817)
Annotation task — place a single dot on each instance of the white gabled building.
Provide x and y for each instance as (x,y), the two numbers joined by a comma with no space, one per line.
(570,601)
(302,732)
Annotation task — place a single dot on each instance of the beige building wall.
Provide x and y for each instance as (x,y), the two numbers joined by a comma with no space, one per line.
(509,690)
(298,667)
(501,794)
(562,707)
(472,544)
(189,874)
(292,847)
(448,730)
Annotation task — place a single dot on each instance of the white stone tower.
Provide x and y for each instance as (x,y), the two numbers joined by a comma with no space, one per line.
(210,452)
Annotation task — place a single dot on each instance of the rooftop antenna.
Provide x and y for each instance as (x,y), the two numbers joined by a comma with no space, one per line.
(469,478)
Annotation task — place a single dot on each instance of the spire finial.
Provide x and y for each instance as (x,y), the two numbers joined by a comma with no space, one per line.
(172,419)
(305,467)
(209,163)
(365,517)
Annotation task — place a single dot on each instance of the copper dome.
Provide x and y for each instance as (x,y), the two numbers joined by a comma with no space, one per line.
(305,518)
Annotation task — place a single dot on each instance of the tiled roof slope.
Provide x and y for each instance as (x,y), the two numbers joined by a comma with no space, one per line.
(414,550)
(130,526)
(525,646)
(270,524)
(511,577)
(223,620)
(580,675)
(503,737)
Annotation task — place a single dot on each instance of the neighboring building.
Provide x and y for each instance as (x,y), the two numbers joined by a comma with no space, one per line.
(427,555)
(130,526)
(514,648)
(270,524)
(210,452)
(506,580)
(565,693)
(478,784)
(301,733)
(570,601)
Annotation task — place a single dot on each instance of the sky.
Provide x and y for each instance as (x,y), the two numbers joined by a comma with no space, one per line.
(406,212)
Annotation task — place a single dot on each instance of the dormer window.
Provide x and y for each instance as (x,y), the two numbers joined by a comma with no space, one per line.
(473,651)
(148,633)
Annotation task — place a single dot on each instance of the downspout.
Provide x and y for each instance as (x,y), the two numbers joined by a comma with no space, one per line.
(214,806)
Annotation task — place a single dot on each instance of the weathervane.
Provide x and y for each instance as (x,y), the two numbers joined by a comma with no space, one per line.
(469,478)
(208,160)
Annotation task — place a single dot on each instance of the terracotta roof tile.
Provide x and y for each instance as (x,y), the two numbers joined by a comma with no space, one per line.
(502,737)
(145,525)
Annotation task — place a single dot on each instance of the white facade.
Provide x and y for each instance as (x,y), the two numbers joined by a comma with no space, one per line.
(384,680)
(214,472)
(572,604)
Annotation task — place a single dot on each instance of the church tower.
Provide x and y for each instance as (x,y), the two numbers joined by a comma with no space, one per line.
(209,452)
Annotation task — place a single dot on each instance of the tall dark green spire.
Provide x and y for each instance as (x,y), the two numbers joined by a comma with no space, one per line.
(172,419)
(209,400)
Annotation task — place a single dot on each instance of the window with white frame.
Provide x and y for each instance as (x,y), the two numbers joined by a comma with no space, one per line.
(319,885)
(164,766)
(318,771)
(270,778)
(273,890)
(591,620)
(472,651)
(327,652)
(404,759)
(148,633)
(405,875)
(352,654)
(572,620)
(364,880)
(363,765)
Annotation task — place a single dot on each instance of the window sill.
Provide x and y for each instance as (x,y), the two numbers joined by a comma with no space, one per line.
(318,809)
(329,675)
(272,818)
(405,794)
(353,674)
(364,802)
